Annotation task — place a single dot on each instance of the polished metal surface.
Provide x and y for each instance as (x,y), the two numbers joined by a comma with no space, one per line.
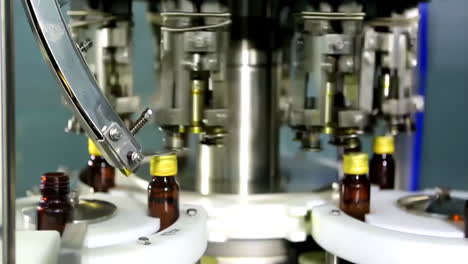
(93,211)
(173,140)
(82,92)
(252,138)
(88,211)
(7,132)
(212,172)
(251,248)
(440,205)
(331,259)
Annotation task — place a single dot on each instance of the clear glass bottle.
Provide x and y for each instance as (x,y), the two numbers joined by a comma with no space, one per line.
(163,190)
(55,208)
(98,173)
(355,186)
(382,165)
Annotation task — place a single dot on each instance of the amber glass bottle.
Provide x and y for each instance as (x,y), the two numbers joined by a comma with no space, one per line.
(163,190)
(466,219)
(382,165)
(355,186)
(55,208)
(98,174)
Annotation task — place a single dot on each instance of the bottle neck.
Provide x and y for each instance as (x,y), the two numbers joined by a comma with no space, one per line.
(95,157)
(55,185)
(165,179)
(384,155)
(355,176)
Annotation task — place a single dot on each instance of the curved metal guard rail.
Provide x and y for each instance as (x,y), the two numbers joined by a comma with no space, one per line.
(81,90)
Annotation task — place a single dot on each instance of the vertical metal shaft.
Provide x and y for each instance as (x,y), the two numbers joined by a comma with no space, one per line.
(7,132)
(252,75)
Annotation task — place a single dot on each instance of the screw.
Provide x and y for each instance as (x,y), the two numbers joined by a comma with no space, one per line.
(335,212)
(136,157)
(115,134)
(144,241)
(85,45)
(199,42)
(339,45)
(141,121)
(192,212)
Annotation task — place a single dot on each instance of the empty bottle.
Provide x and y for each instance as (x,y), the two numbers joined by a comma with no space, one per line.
(163,190)
(55,208)
(98,173)
(382,165)
(355,186)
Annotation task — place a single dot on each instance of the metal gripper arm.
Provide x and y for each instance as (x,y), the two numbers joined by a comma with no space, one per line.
(81,90)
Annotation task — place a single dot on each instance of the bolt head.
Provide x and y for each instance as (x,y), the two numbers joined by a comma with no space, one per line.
(144,241)
(137,157)
(115,134)
(339,45)
(192,212)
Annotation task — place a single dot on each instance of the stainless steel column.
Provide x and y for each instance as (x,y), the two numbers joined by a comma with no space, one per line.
(253,128)
(7,131)
(253,74)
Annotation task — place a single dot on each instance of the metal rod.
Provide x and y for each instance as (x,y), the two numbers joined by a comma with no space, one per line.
(186,29)
(331,18)
(7,132)
(334,14)
(188,14)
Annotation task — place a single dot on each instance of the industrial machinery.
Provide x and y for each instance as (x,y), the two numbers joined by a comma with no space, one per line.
(230,74)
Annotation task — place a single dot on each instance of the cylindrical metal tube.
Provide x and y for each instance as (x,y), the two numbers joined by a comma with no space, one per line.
(7,131)
(198,105)
(212,173)
(252,76)
(328,109)
(331,259)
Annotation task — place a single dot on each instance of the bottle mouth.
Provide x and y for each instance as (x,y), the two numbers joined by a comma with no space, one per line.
(55,182)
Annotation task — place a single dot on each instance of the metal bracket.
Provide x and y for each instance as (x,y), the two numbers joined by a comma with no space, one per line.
(81,90)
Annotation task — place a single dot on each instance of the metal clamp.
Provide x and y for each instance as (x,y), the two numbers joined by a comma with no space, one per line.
(81,90)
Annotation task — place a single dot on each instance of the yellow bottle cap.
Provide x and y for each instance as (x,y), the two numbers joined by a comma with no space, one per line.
(208,260)
(384,145)
(356,163)
(165,165)
(92,148)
